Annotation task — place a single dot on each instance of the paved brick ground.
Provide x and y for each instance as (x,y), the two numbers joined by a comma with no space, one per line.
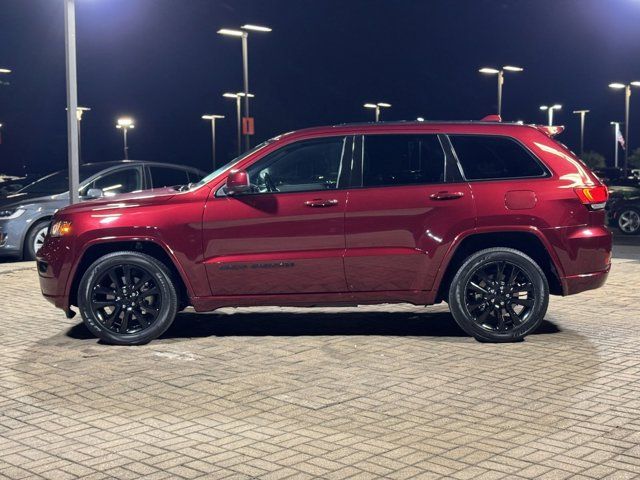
(395,392)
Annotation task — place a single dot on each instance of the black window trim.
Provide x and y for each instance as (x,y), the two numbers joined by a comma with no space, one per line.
(358,167)
(342,172)
(546,172)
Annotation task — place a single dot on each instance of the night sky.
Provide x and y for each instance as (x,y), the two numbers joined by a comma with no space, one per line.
(162,62)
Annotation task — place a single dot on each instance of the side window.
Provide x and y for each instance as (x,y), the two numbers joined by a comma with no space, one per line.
(402,160)
(302,166)
(167,177)
(486,157)
(194,176)
(121,181)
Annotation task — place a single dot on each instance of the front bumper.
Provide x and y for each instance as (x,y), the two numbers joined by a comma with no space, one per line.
(54,267)
(12,236)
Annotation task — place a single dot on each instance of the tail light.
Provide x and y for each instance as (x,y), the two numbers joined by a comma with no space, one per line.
(594,197)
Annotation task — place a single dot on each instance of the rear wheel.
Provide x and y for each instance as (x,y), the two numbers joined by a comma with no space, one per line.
(629,221)
(499,295)
(127,298)
(35,238)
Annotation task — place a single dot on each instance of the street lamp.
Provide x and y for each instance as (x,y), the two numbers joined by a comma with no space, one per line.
(72,99)
(582,113)
(213,118)
(125,124)
(627,102)
(616,140)
(377,107)
(238,97)
(4,71)
(245,63)
(550,111)
(79,112)
(500,73)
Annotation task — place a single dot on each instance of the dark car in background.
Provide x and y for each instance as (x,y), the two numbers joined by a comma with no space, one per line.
(25,215)
(9,185)
(623,207)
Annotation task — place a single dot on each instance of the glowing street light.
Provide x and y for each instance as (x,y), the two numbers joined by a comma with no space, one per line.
(243,34)
(238,98)
(213,118)
(5,70)
(582,113)
(125,124)
(79,112)
(550,111)
(500,73)
(377,107)
(627,104)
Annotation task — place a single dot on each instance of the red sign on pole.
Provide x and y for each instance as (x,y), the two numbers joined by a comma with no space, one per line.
(247,126)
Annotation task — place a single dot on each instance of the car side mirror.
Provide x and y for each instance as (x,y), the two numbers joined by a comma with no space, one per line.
(237,182)
(95,193)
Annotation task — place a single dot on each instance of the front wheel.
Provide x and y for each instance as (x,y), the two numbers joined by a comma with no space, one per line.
(499,295)
(35,239)
(127,298)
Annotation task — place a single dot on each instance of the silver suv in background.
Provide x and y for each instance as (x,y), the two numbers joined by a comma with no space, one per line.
(25,215)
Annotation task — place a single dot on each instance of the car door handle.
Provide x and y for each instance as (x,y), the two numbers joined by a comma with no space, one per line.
(446,195)
(319,202)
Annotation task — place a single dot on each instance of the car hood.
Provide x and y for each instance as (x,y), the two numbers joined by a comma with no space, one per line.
(125,200)
(20,199)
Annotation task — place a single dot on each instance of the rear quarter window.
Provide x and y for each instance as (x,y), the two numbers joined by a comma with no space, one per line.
(484,157)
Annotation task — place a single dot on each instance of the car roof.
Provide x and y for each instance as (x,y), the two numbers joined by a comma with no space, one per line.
(116,163)
(400,125)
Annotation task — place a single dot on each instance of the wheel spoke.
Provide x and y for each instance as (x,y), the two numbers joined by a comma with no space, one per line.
(513,276)
(100,290)
(115,279)
(102,304)
(474,306)
(144,279)
(500,271)
(525,302)
(126,271)
(140,317)
(501,323)
(475,287)
(108,322)
(483,316)
(125,321)
(515,318)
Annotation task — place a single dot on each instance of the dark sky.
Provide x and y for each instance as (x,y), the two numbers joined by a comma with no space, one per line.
(162,62)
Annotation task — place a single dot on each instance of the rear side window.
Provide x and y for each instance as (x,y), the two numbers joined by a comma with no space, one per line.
(402,160)
(488,157)
(167,177)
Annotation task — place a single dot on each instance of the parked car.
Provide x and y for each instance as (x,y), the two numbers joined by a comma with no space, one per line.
(489,217)
(26,214)
(623,208)
(10,185)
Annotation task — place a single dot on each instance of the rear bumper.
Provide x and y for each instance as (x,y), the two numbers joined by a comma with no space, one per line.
(586,281)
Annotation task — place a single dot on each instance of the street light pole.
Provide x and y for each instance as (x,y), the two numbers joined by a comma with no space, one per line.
(550,110)
(72,100)
(627,103)
(582,114)
(616,134)
(376,107)
(500,73)
(213,118)
(244,35)
(238,98)
(124,124)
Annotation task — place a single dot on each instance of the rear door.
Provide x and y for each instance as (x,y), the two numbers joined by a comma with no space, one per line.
(287,236)
(410,205)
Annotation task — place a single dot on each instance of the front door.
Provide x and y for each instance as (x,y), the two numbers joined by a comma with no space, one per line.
(411,204)
(287,235)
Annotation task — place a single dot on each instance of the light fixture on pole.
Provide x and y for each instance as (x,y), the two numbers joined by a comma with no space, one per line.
(79,112)
(582,113)
(244,35)
(616,141)
(550,110)
(72,100)
(238,97)
(420,119)
(213,119)
(4,71)
(377,107)
(627,105)
(125,124)
(500,74)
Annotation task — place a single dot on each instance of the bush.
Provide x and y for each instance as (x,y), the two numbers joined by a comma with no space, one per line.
(594,159)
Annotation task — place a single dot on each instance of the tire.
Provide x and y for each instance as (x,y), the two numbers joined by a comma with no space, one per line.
(478,288)
(629,221)
(34,239)
(111,301)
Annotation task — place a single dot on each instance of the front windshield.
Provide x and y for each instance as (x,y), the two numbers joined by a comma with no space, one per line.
(58,182)
(230,164)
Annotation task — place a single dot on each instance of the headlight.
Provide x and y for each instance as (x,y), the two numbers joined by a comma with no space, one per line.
(60,228)
(11,213)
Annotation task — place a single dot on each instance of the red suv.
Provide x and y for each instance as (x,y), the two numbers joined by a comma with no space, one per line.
(490,217)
